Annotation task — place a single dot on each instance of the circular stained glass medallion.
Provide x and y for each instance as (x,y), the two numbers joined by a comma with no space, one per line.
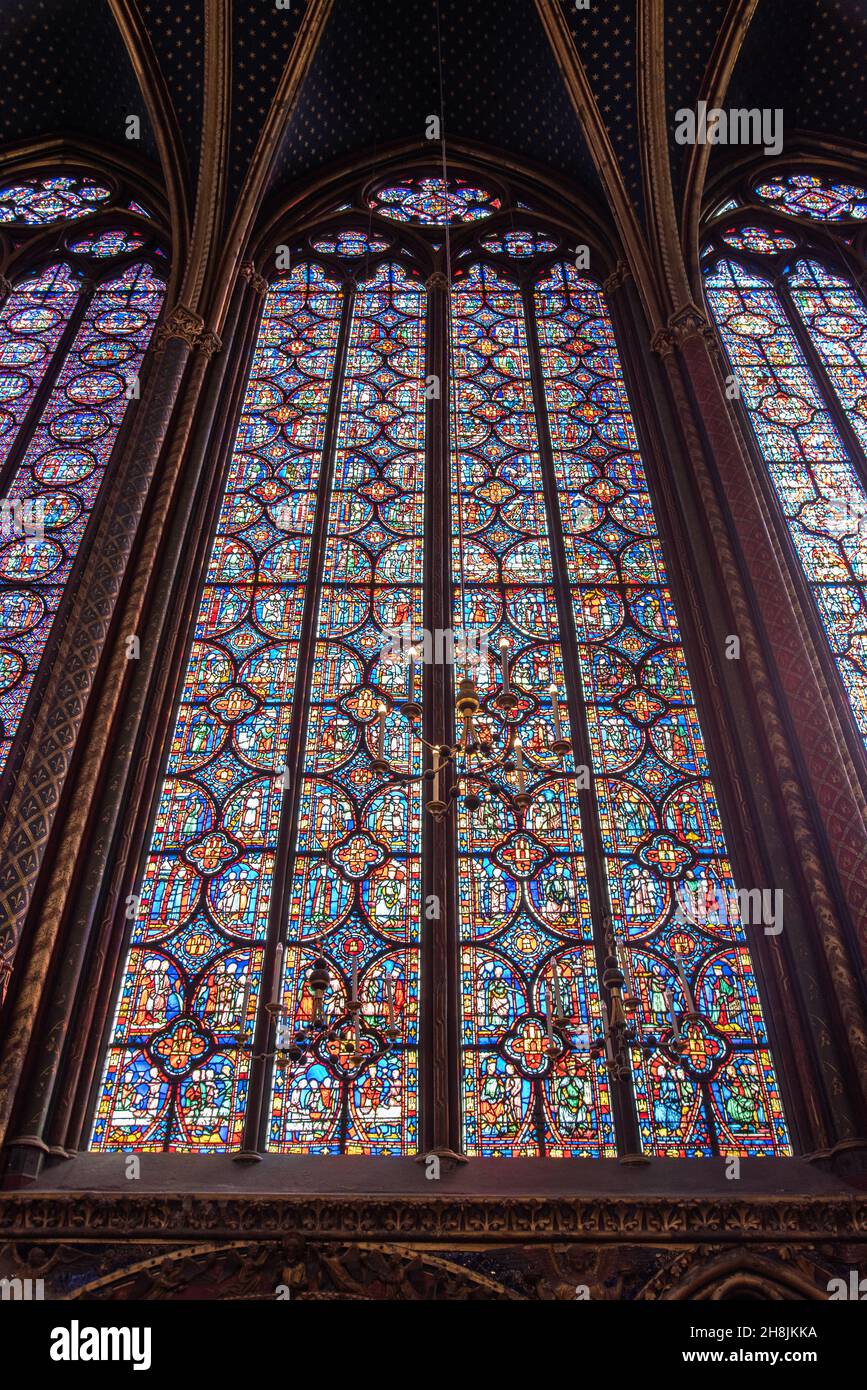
(103,245)
(807,195)
(38,202)
(430,202)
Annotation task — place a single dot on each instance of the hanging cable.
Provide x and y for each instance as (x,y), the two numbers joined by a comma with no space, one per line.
(451,361)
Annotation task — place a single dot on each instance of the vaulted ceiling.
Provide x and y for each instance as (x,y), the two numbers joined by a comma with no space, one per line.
(65,68)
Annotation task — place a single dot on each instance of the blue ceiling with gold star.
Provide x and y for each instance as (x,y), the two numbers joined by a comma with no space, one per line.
(375,80)
(65,70)
(809,59)
(604,35)
(691,31)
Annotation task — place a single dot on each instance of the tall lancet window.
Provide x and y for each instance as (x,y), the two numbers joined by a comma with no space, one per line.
(355,886)
(74,328)
(794,327)
(436,813)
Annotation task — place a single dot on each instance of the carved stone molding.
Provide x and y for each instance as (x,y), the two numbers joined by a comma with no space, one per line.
(714,1272)
(180,323)
(257,282)
(460,1219)
(304,1269)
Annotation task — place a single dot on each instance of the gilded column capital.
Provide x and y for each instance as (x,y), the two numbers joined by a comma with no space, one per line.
(663,342)
(180,323)
(689,322)
(257,282)
(5,286)
(685,323)
(617,279)
(436,281)
(209,343)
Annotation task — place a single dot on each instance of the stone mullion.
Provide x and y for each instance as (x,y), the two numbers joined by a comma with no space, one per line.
(440,1053)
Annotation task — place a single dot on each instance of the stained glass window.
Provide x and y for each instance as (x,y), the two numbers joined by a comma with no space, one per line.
(38,202)
(808,195)
(350,244)
(291,829)
(55,485)
(521,244)
(431,202)
(524,909)
(763,241)
(32,319)
(179,1055)
(104,245)
(355,899)
(836,319)
(817,486)
(674,904)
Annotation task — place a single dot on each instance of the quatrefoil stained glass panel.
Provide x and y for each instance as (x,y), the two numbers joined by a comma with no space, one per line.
(432,203)
(809,195)
(61,197)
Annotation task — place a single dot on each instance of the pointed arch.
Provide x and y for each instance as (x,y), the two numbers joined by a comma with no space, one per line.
(279,913)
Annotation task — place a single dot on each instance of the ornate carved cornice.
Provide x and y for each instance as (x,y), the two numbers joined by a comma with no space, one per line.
(405,1271)
(181,323)
(670,1219)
